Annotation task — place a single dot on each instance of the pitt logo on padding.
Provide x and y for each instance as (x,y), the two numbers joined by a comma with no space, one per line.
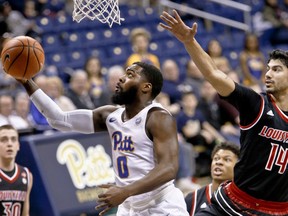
(122,143)
(86,168)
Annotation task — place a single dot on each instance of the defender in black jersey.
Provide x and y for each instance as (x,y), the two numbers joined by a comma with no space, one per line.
(15,180)
(224,157)
(260,185)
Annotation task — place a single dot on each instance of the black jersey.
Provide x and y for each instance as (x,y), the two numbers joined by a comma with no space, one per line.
(13,191)
(261,170)
(198,199)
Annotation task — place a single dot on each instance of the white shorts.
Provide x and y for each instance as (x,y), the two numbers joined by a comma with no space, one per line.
(170,201)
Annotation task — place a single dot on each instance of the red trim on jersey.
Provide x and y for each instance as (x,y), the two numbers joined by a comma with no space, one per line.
(12,178)
(208,192)
(247,201)
(193,203)
(278,110)
(257,118)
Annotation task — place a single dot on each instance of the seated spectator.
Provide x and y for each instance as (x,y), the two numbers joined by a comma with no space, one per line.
(53,8)
(191,123)
(8,85)
(285,5)
(18,25)
(208,104)
(3,26)
(78,91)
(252,62)
(7,116)
(164,99)
(222,116)
(22,108)
(30,11)
(40,121)
(187,167)
(224,157)
(214,49)
(55,90)
(140,39)
(194,78)
(113,75)
(97,81)
(278,17)
(171,83)
(187,154)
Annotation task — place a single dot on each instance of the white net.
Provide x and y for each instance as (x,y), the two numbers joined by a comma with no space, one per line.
(106,11)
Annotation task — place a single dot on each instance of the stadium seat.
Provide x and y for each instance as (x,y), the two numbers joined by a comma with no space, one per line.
(238,38)
(76,58)
(58,59)
(51,43)
(226,40)
(132,17)
(168,48)
(157,32)
(117,55)
(110,36)
(74,39)
(101,53)
(46,23)
(112,45)
(92,38)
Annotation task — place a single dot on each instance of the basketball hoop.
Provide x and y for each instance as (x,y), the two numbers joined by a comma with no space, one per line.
(106,11)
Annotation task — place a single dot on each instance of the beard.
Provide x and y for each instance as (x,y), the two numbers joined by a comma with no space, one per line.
(269,91)
(122,98)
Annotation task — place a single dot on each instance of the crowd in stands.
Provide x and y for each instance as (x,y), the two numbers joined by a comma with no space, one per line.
(203,119)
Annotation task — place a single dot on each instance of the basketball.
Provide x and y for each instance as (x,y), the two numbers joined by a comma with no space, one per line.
(22,57)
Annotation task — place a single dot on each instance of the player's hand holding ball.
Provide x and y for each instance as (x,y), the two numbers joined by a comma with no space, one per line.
(22,57)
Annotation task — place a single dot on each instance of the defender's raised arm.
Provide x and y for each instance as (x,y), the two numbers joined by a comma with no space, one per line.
(185,34)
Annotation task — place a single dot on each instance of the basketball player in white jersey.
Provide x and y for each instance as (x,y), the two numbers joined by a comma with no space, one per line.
(143,138)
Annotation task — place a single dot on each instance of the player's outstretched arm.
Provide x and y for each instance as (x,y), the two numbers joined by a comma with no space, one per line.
(83,121)
(185,34)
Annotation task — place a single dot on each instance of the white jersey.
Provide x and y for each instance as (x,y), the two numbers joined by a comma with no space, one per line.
(132,150)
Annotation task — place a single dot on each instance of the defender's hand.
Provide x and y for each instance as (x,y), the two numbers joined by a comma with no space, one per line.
(177,27)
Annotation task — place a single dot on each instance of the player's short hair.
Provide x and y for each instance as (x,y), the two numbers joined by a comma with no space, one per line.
(153,75)
(7,127)
(226,145)
(279,54)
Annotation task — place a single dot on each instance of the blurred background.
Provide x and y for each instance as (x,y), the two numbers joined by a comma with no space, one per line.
(84,61)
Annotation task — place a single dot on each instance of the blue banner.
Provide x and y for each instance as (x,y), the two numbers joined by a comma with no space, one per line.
(67,168)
